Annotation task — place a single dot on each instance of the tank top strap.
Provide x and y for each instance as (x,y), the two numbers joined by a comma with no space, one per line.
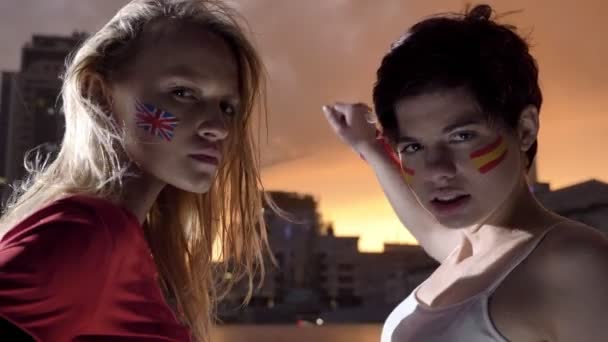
(521,257)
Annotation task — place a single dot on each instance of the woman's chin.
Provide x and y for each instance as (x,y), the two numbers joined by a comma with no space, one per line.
(199,186)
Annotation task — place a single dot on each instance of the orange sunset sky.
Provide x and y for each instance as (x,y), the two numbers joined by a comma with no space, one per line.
(320,51)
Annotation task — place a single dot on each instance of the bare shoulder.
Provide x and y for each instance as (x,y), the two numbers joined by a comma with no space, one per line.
(572,245)
(572,258)
(568,257)
(565,294)
(572,273)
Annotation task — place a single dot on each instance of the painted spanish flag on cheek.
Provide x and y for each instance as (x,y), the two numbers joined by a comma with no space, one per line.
(408,174)
(489,157)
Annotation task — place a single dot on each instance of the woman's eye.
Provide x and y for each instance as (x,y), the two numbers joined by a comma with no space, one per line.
(411,148)
(183,93)
(462,137)
(227,108)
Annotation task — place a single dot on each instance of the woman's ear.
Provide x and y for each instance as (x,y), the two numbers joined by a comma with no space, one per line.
(527,127)
(98,90)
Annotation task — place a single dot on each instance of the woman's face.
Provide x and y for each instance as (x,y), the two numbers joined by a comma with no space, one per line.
(176,102)
(460,167)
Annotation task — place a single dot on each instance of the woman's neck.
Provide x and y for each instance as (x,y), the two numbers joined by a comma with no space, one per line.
(139,194)
(521,216)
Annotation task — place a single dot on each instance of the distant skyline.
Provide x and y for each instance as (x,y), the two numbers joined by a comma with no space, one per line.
(320,51)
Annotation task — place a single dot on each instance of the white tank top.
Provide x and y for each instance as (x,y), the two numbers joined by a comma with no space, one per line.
(466,321)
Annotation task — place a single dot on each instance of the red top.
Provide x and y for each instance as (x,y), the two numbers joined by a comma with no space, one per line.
(80,268)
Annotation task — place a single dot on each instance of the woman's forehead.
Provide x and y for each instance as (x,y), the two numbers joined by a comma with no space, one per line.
(444,108)
(187,50)
(170,35)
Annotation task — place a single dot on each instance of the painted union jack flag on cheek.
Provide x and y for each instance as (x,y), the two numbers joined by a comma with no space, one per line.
(155,121)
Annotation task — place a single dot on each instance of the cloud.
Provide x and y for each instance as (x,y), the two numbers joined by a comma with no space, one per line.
(319,51)
(20,19)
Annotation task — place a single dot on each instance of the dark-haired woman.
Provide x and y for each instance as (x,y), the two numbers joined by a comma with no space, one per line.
(458,98)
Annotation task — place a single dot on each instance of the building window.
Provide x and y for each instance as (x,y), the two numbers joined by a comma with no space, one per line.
(345,292)
(345,279)
(346,267)
(279,258)
(39,103)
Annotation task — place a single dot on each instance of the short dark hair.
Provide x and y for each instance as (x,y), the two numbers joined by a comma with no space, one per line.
(490,59)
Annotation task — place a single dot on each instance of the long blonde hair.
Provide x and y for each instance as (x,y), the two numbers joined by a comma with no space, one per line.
(182,227)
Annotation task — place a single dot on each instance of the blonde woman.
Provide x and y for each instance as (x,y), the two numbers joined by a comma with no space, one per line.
(113,239)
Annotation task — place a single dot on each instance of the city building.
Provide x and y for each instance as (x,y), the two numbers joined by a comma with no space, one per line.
(585,202)
(292,235)
(30,106)
(338,279)
(6,87)
(390,276)
(320,275)
(382,280)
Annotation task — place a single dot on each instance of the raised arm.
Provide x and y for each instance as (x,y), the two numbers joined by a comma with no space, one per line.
(354,124)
